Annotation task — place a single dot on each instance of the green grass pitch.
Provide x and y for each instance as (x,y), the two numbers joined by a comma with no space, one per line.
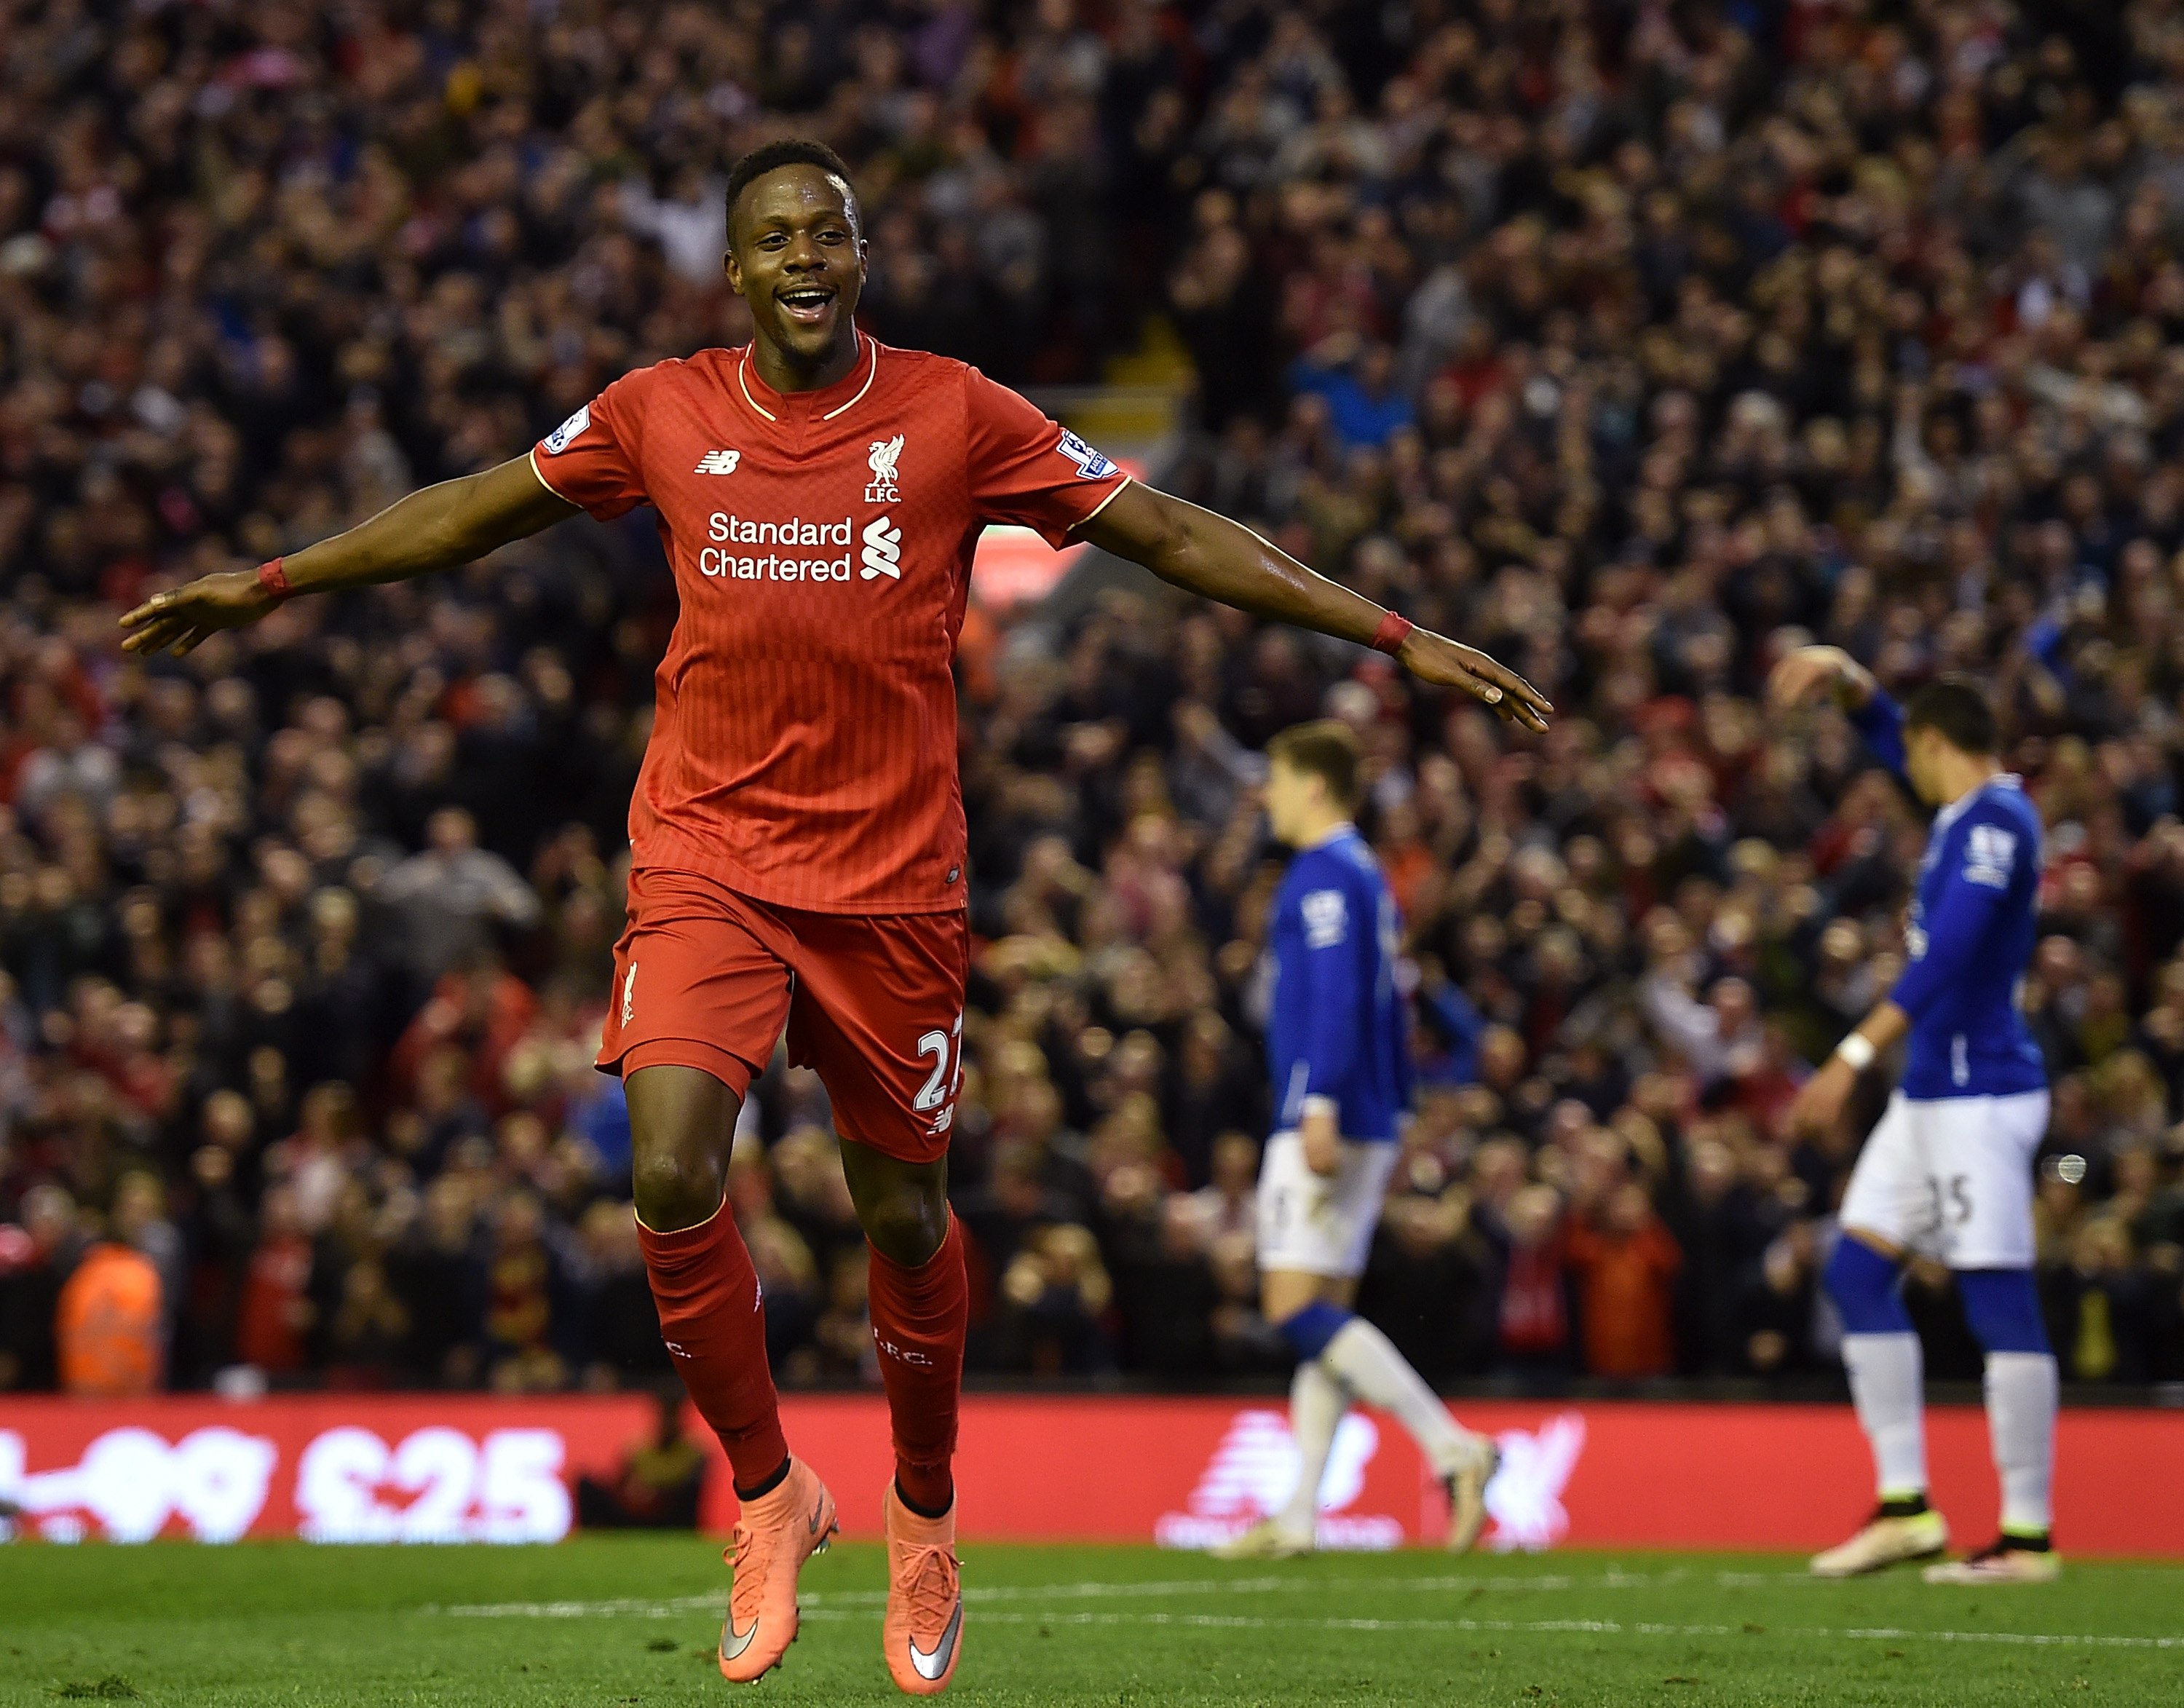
(633,1620)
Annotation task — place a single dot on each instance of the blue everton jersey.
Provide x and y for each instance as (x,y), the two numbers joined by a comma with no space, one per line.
(1970,935)
(1336,1027)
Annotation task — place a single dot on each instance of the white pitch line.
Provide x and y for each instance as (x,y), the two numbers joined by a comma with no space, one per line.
(585,1609)
(1598,1627)
(847,1606)
(1103,1591)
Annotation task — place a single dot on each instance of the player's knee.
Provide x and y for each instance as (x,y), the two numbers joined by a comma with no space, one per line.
(1863,1285)
(2003,1309)
(675,1186)
(1308,1331)
(905,1223)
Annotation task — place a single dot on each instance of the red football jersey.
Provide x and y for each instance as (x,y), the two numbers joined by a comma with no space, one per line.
(804,749)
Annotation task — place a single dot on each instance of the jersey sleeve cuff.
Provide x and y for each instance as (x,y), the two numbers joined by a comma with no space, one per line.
(531,457)
(1125,480)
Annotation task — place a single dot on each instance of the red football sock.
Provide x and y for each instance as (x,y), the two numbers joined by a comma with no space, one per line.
(919,1318)
(714,1323)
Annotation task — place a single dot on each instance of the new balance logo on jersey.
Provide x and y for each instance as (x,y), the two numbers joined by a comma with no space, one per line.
(885,454)
(1990,853)
(883,547)
(718,462)
(1090,465)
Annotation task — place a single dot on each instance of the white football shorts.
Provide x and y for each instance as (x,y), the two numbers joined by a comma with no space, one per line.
(1321,1224)
(1952,1178)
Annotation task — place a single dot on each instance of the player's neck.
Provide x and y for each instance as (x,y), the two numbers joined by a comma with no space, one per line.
(789,377)
(1965,774)
(1321,832)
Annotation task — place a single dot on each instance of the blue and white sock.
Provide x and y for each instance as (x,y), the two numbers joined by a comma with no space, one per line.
(2023,1384)
(1888,1372)
(1317,1404)
(1369,1366)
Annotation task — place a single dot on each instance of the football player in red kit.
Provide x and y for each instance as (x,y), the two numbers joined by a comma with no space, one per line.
(798,841)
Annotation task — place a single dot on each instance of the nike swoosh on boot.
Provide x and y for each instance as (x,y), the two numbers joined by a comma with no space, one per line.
(933,1665)
(733,1645)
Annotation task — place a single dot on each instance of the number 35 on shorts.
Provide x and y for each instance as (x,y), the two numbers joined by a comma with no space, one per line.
(938,1092)
(1950,1204)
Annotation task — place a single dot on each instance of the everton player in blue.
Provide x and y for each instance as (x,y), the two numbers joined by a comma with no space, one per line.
(1948,1171)
(1338,1047)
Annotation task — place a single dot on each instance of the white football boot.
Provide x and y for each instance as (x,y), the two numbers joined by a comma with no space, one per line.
(2005,1562)
(1466,1476)
(1267,1540)
(1884,1542)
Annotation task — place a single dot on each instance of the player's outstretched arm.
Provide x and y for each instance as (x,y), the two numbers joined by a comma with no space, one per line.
(434,528)
(1210,556)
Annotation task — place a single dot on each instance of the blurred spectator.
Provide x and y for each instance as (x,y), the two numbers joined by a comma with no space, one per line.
(1533,1336)
(446,902)
(35,1261)
(275,1317)
(1054,1296)
(368,1331)
(526,1306)
(108,1326)
(2105,1312)
(660,1484)
(438,1274)
(622,1325)
(1626,1270)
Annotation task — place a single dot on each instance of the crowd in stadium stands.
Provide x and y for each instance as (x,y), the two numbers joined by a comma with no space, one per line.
(1631,341)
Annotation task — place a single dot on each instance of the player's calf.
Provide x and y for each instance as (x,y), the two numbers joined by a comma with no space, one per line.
(2001,1307)
(1882,1357)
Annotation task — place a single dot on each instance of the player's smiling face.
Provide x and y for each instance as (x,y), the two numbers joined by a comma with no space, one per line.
(796,255)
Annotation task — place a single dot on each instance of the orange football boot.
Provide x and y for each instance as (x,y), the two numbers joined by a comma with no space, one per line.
(923,1632)
(775,1535)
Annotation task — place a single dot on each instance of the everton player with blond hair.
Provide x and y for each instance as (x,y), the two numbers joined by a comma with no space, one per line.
(1337,1044)
(798,841)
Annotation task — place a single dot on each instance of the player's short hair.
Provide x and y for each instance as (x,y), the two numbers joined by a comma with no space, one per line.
(790,151)
(1327,750)
(1955,707)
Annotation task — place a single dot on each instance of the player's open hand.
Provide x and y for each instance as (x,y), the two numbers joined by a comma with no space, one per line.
(1323,1143)
(1433,657)
(1803,676)
(180,619)
(1819,1104)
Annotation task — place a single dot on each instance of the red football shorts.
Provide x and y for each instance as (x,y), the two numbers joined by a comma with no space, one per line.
(706,978)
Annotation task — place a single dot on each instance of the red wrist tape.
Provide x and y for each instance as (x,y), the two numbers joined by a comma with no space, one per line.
(1388,638)
(274,578)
